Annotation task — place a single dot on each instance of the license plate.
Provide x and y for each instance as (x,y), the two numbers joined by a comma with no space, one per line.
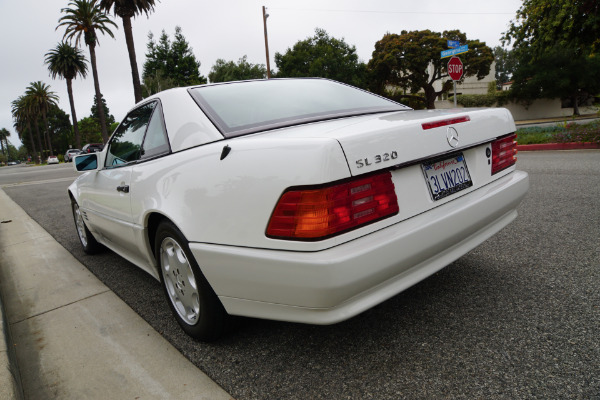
(447,176)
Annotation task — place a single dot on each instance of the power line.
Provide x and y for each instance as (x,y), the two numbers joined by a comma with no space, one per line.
(394,12)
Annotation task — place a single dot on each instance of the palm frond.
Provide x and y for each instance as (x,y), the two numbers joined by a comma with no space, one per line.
(66,61)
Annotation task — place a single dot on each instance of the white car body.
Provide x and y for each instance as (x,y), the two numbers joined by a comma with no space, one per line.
(52,160)
(223,205)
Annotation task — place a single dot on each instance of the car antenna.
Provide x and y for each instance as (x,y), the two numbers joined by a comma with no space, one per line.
(225,152)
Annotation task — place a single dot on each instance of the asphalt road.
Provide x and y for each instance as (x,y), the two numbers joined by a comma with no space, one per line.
(518,317)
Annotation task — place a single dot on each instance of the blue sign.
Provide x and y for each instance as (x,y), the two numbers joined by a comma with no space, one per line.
(453,52)
(452,44)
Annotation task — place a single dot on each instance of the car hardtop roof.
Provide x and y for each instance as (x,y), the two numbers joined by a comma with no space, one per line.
(186,88)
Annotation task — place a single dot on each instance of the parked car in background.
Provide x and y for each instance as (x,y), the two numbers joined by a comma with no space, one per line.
(302,200)
(52,160)
(92,148)
(70,154)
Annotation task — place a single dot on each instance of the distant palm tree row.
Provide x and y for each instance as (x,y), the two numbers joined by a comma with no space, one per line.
(82,19)
(28,108)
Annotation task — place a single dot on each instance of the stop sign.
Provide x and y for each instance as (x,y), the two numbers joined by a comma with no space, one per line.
(455,68)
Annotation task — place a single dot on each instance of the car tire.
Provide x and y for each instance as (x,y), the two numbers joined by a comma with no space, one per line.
(192,300)
(87,240)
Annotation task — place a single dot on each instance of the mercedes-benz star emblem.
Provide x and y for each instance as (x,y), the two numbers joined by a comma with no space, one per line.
(452,136)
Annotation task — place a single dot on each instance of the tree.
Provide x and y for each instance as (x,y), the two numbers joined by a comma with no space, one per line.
(23,153)
(4,134)
(155,76)
(542,24)
(224,71)
(156,83)
(127,9)
(560,73)
(411,62)
(60,128)
(84,18)
(171,62)
(10,153)
(549,36)
(322,56)
(22,123)
(90,130)
(110,119)
(506,64)
(186,68)
(67,62)
(40,99)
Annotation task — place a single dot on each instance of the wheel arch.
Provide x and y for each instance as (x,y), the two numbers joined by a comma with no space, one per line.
(153,220)
(71,195)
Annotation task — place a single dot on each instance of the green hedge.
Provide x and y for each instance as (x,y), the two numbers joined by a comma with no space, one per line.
(483,100)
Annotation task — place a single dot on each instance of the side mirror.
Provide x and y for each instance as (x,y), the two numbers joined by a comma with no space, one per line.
(86,162)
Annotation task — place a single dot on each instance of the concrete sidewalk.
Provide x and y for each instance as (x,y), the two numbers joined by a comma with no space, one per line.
(65,335)
(557,120)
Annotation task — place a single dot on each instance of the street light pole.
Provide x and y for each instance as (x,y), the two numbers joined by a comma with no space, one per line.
(265,16)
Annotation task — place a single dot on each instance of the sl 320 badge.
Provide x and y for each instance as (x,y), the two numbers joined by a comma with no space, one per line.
(376,159)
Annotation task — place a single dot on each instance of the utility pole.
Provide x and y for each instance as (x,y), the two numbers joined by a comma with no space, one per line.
(265,16)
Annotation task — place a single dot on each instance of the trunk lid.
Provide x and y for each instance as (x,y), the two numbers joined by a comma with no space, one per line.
(375,142)
(400,138)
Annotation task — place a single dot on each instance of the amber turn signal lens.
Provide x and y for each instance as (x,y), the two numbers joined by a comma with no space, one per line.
(312,214)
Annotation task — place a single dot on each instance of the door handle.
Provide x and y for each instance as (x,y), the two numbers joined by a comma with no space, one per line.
(124,188)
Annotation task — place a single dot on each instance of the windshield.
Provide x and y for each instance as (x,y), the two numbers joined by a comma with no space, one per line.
(240,108)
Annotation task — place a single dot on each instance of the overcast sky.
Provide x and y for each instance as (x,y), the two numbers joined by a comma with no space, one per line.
(227,29)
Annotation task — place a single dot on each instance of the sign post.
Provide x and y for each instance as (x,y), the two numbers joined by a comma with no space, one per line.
(455,66)
(455,70)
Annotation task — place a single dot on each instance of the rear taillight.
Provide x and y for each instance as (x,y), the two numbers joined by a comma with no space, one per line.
(310,214)
(504,153)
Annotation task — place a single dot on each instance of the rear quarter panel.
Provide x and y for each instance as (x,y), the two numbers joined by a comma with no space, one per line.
(230,201)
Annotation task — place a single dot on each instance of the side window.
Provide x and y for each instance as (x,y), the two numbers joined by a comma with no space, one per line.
(155,142)
(125,145)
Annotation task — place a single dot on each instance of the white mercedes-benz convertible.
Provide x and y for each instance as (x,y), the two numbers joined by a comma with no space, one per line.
(301,200)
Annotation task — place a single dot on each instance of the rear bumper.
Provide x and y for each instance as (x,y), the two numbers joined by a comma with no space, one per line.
(332,285)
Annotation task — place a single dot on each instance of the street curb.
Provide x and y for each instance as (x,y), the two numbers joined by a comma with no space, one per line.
(10,380)
(57,329)
(557,146)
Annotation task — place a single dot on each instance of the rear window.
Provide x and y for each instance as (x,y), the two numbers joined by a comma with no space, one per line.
(239,108)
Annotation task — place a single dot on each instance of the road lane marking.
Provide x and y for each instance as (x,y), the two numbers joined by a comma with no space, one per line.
(38,182)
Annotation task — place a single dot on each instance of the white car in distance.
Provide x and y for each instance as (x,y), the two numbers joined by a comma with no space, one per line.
(302,200)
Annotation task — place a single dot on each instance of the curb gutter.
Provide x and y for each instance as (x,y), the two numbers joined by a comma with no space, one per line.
(10,379)
(557,146)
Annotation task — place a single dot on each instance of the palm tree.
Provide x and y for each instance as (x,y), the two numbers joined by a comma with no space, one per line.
(4,134)
(40,98)
(127,9)
(67,62)
(84,18)
(22,117)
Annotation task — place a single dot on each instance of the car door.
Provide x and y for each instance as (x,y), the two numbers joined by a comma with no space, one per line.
(109,197)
